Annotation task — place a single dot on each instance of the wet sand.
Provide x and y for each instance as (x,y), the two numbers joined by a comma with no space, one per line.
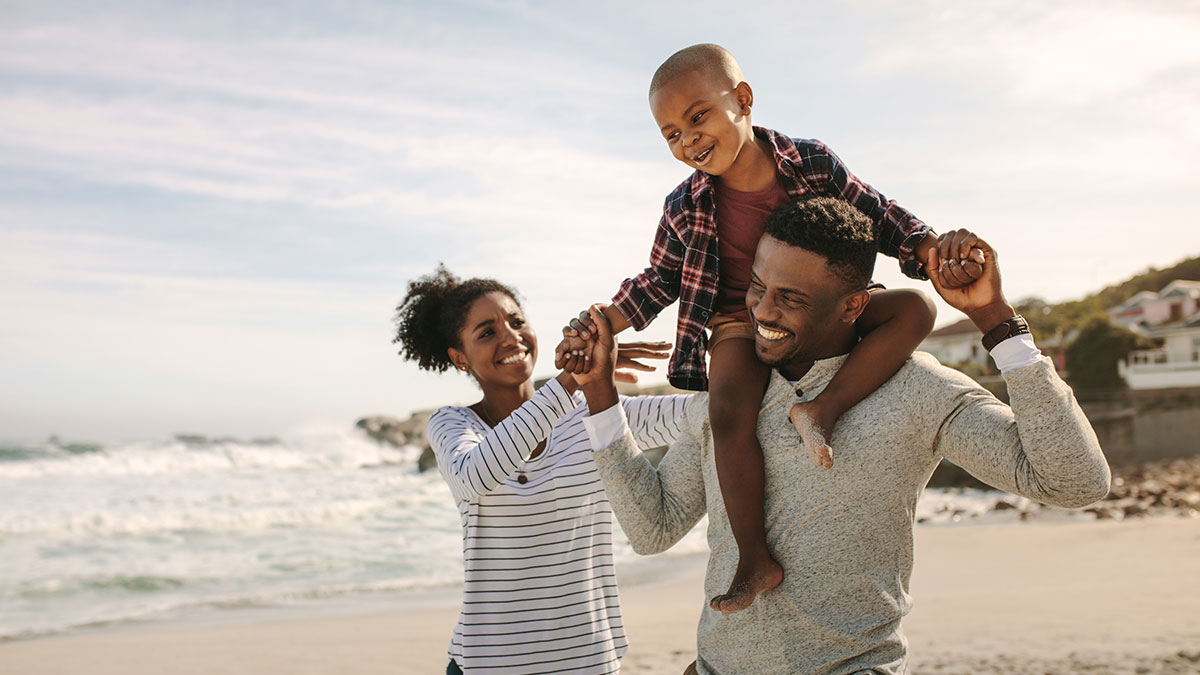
(1037,597)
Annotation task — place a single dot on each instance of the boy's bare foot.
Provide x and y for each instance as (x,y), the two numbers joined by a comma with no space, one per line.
(751,578)
(813,425)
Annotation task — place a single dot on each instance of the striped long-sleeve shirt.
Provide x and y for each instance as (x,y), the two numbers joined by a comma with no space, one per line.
(540,590)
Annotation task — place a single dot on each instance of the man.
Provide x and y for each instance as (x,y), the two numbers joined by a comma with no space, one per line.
(844,535)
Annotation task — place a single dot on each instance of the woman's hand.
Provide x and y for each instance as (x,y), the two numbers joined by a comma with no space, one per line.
(627,352)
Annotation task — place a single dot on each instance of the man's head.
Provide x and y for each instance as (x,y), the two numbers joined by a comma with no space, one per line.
(809,282)
(702,107)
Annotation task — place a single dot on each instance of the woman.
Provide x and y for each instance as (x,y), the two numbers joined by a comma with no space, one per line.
(539,593)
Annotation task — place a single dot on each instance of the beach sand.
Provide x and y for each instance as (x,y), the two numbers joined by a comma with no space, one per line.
(1038,597)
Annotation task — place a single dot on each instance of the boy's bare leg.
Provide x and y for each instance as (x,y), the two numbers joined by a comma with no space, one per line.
(737,382)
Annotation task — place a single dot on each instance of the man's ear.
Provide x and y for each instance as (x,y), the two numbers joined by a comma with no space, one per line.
(853,305)
(458,358)
(745,97)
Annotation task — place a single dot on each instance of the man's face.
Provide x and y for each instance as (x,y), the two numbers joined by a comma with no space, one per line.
(797,305)
(702,121)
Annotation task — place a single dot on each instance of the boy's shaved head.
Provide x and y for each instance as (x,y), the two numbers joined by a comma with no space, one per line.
(711,59)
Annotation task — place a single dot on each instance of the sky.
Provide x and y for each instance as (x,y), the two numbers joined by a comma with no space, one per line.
(208,211)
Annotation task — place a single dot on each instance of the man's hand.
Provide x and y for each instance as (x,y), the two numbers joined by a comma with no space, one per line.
(597,383)
(982,300)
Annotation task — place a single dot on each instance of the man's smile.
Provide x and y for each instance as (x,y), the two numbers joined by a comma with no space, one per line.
(770,333)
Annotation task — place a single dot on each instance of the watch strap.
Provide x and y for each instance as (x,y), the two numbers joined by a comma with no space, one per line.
(1017,325)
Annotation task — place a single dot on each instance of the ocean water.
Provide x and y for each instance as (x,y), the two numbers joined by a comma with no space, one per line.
(100,534)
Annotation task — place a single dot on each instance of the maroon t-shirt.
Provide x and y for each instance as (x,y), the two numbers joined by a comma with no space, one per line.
(740,218)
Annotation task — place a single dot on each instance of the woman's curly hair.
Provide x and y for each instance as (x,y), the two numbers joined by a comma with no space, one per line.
(430,317)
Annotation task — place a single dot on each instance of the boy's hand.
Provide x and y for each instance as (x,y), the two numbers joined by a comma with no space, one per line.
(960,260)
(582,327)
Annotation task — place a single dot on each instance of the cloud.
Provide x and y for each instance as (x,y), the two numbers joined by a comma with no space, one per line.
(214,207)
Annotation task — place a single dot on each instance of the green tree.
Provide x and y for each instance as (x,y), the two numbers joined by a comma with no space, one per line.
(1092,358)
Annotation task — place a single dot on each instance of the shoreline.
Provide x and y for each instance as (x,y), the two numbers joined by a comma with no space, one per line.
(998,598)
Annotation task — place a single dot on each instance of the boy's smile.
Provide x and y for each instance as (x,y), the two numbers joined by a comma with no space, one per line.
(706,122)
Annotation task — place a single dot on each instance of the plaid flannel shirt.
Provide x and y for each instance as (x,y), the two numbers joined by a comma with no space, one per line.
(683,260)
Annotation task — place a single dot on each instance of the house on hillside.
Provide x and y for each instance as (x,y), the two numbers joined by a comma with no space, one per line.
(956,344)
(961,343)
(1175,302)
(1171,319)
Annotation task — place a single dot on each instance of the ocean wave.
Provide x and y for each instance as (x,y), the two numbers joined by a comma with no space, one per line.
(191,454)
(49,450)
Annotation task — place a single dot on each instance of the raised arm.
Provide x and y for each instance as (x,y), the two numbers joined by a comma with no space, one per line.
(1041,447)
(656,508)
(473,464)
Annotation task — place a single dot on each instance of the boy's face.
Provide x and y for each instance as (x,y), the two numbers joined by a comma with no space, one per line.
(705,121)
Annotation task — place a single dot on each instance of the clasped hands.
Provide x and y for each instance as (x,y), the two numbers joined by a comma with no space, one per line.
(589,352)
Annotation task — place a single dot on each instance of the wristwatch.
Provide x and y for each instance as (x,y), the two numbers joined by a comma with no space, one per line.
(1006,329)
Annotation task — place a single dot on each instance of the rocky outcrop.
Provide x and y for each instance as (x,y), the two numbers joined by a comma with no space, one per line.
(1158,487)
(396,432)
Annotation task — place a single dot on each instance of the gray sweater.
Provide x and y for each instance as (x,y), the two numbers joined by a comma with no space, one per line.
(845,536)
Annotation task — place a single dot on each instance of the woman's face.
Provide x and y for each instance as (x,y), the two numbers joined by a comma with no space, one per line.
(498,346)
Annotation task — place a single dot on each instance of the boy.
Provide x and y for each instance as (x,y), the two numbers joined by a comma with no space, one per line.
(702,253)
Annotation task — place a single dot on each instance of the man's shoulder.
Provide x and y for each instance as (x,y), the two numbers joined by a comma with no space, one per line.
(925,373)
(920,393)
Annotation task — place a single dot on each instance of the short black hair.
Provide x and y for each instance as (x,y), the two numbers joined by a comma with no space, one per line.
(706,58)
(830,228)
(430,317)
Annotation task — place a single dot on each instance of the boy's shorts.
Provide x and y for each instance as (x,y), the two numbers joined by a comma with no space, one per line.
(724,327)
